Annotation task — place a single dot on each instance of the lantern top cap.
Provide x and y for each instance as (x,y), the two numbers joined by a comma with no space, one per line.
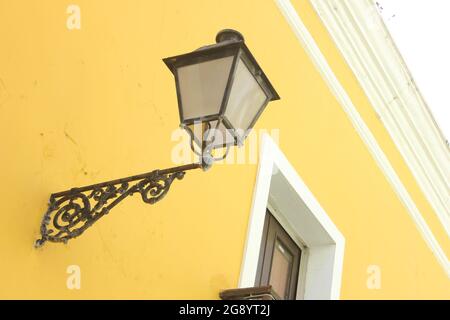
(229,35)
(227,41)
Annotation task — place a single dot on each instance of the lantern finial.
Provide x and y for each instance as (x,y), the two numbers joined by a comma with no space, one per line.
(229,34)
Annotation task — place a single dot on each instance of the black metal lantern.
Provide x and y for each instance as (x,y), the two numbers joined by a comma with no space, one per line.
(221,88)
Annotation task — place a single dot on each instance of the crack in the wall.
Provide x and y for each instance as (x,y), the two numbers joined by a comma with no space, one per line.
(69,137)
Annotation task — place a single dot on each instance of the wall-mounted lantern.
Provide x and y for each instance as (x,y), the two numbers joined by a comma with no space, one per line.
(221,87)
(221,93)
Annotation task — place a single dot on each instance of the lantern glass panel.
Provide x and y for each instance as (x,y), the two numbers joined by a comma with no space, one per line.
(202,87)
(245,101)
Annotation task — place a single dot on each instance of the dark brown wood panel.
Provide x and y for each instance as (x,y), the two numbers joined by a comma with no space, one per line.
(277,243)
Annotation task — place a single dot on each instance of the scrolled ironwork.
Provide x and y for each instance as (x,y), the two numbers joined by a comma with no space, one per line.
(71,212)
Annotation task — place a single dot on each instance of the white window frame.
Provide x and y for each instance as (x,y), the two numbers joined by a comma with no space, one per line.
(279,188)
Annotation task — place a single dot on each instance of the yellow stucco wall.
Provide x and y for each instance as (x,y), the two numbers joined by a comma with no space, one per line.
(83,106)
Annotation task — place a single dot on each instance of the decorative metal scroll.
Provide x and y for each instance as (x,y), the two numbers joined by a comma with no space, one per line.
(206,154)
(71,212)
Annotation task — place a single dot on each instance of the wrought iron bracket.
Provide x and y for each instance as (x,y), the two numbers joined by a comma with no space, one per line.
(73,211)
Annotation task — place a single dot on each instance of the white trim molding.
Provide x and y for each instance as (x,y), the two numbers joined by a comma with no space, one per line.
(316,56)
(279,187)
(365,43)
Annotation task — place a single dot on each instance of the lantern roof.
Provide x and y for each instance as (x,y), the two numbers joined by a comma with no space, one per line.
(227,41)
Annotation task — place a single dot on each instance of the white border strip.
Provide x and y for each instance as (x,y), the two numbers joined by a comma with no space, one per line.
(360,34)
(366,135)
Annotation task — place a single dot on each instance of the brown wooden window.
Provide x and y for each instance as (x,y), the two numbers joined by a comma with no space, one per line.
(279,260)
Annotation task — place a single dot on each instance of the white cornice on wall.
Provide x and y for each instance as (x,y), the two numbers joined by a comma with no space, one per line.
(360,34)
(322,66)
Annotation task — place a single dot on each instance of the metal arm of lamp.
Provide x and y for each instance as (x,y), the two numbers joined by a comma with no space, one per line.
(73,211)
